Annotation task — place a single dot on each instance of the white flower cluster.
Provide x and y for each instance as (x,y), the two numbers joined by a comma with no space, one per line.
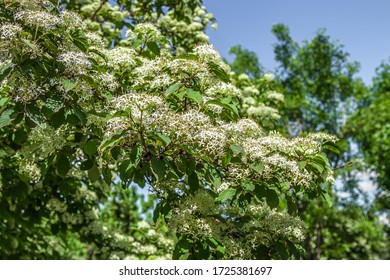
(31,169)
(43,141)
(36,19)
(147,31)
(55,204)
(9,31)
(75,62)
(206,52)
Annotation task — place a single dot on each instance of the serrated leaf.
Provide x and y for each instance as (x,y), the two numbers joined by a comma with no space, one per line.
(226,194)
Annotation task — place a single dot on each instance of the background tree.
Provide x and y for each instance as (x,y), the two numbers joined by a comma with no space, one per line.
(322,93)
(314,76)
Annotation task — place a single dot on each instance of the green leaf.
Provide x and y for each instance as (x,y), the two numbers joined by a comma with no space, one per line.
(281,249)
(212,242)
(291,206)
(136,43)
(173,88)
(159,168)
(225,195)
(237,149)
(316,167)
(19,136)
(302,164)
(58,119)
(63,165)
(87,164)
(260,191)
(91,147)
(80,113)
(331,147)
(94,174)
(327,198)
(3,103)
(153,47)
(218,71)
(164,138)
(194,95)
(5,70)
(99,53)
(5,118)
(227,106)
(193,181)
(111,141)
(29,43)
(68,84)
(78,38)
(272,198)
(135,154)
(258,167)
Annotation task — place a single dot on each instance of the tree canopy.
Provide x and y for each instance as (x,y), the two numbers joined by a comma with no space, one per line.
(99,99)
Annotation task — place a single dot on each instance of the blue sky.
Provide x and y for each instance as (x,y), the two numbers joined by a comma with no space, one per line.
(363,27)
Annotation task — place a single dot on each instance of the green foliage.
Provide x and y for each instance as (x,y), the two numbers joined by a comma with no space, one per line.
(87,116)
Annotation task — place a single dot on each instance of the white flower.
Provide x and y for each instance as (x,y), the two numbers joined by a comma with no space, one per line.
(38,19)
(9,31)
(75,62)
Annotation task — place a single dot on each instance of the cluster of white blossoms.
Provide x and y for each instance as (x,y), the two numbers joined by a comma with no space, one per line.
(37,19)
(44,141)
(57,205)
(145,32)
(31,170)
(10,31)
(76,62)
(275,96)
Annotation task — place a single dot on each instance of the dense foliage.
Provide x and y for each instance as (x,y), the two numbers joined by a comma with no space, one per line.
(99,99)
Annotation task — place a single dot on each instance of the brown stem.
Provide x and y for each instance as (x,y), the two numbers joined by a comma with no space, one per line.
(98,9)
(343,166)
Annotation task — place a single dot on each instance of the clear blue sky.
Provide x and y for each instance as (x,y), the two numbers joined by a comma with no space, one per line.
(363,27)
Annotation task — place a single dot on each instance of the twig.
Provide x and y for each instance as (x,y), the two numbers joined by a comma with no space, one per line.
(343,166)
(98,9)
